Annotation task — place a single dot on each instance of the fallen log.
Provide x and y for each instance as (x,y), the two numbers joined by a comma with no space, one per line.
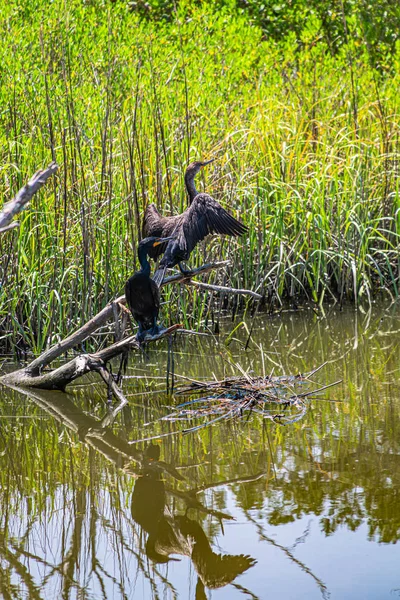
(59,378)
(99,320)
(35,375)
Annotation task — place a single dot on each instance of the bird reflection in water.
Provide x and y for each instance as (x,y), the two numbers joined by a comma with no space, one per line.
(178,534)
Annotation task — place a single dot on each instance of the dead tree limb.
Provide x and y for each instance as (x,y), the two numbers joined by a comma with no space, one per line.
(59,378)
(181,278)
(221,288)
(74,339)
(112,386)
(99,320)
(34,375)
(24,195)
(11,226)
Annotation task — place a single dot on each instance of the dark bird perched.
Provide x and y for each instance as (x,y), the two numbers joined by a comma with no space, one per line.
(142,293)
(203,216)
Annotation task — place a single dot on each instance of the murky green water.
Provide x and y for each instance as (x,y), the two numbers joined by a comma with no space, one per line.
(244,509)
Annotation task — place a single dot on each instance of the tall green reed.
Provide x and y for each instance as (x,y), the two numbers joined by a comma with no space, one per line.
(124,105)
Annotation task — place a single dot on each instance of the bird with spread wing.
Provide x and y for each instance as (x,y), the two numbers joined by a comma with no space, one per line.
(203,216)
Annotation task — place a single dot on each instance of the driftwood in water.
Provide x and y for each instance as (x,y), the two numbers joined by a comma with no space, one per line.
(24,195)
(236,396)
(82,364)
(35,375)
(99,320)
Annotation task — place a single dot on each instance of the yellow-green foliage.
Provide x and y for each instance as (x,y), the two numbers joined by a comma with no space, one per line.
(307,149)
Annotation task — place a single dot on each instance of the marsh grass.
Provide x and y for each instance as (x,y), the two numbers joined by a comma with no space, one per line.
(307,149)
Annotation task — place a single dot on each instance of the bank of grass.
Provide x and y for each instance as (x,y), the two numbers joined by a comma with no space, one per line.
(307,149)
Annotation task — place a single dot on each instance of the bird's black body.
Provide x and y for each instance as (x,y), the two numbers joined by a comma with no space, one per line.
(203,216)
(143,294)
(143,299)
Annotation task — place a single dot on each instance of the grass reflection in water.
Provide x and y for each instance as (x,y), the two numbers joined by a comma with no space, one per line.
(86,513)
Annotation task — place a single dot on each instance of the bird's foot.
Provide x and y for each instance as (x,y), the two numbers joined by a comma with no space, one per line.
(142,335)
(186,272)
(155,330)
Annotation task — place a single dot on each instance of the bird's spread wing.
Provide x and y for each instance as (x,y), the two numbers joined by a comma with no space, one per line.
(204,216)
(152,222)
(155,225)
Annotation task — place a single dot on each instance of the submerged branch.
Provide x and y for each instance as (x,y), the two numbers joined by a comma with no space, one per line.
(112,387)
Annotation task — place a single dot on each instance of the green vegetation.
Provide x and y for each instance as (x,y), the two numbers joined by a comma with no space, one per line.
(306,137)
(371,25)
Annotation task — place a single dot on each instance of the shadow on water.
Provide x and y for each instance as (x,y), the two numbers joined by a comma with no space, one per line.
(232,510)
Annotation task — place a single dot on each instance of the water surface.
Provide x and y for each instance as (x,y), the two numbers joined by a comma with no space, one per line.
(244,509)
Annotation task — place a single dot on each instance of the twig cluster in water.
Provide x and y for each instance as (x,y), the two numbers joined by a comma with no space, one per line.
(240,396)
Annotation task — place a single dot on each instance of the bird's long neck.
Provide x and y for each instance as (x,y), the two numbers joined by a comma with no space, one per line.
(144,263)
(191,188)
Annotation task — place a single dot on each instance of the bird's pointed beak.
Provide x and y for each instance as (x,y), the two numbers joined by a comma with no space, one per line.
(207,162)
(162,240)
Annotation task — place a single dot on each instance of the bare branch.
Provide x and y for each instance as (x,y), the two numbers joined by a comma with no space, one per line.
(11,226)
(180,277)
(74,339)
(24,195)
(98,321)
(111,384)
(222,288)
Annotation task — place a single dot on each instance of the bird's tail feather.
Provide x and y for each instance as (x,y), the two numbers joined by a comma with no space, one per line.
(159,275)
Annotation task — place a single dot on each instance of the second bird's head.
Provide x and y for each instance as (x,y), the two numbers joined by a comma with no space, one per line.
(153,242)
(195,167)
